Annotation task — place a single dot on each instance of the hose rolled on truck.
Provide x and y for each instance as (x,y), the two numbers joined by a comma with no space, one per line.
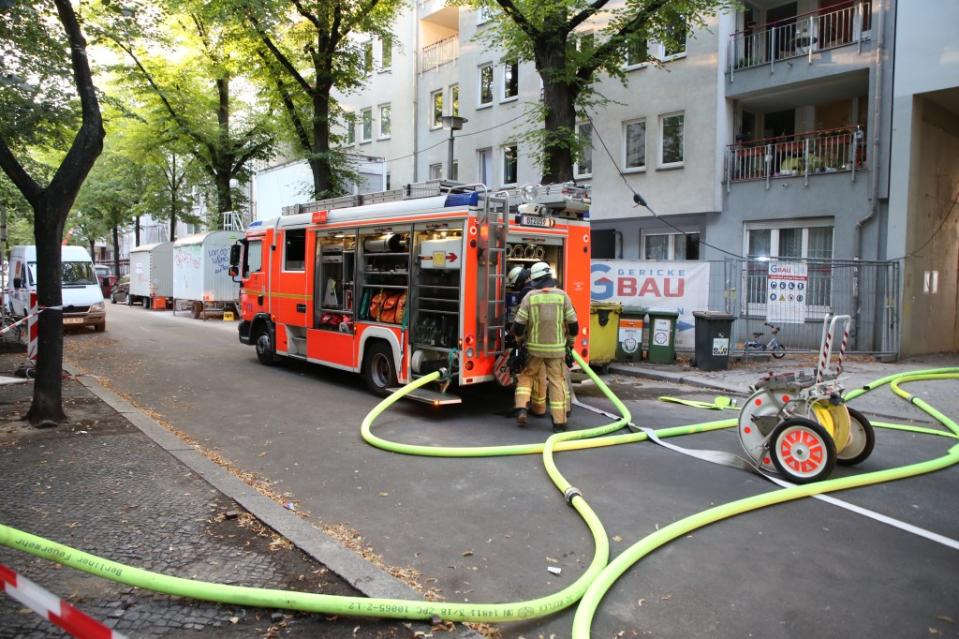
(588,589)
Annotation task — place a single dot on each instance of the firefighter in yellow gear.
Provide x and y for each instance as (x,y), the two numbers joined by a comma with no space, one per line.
(546,321)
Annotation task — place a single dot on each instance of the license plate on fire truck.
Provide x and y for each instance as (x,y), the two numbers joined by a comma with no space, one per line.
(533,220)
(73,320)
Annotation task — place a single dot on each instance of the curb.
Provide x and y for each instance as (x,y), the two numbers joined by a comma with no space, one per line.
(676,378)
(359,573)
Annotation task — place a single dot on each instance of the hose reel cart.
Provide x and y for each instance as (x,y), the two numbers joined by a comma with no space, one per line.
(797,423)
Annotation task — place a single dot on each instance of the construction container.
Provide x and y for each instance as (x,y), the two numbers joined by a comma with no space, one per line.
(201,278)
(603,332)
(151,273)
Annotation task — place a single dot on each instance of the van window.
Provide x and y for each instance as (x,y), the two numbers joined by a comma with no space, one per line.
(78,273)
(294,250)
(254,256)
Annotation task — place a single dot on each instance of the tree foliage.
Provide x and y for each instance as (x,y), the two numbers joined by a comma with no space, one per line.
(573,42)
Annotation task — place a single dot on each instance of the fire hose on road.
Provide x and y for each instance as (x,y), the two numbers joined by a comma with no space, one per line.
(588,589)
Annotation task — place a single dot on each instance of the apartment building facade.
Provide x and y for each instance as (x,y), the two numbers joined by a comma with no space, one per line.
(769,136)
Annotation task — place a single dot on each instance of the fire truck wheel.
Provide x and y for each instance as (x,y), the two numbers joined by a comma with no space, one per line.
(265,351)
(379,371)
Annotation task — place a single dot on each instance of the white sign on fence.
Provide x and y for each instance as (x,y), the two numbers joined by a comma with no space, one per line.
(672,286)
(786,291)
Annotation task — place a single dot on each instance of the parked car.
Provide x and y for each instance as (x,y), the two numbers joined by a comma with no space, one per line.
(121,291)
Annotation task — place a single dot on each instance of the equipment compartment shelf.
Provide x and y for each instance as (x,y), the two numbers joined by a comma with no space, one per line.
(386,272)
(373,254)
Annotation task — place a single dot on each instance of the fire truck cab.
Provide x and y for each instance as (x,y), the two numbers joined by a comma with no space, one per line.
(399,284)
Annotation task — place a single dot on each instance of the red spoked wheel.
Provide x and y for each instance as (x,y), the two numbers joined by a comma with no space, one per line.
(802,450)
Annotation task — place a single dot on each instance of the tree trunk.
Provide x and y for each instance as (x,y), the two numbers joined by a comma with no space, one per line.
(174,197)
(136,231)
(116,251)
(47,407)
(224,196)
(320,161)
(559,99)
(224,158)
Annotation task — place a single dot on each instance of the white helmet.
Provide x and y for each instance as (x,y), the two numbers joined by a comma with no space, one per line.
(513,276)
(539,270)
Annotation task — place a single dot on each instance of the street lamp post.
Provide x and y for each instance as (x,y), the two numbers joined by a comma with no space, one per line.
(454,123)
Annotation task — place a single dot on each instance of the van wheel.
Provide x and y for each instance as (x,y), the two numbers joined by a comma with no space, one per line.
(265,350)
(379,370)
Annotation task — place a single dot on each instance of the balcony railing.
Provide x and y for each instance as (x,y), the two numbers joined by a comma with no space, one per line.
(439,53)
(800,155)
(800,36)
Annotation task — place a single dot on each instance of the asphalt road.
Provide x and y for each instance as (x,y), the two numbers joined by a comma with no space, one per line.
(486,530)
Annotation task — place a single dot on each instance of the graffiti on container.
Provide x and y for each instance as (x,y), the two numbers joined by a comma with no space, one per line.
(219,258)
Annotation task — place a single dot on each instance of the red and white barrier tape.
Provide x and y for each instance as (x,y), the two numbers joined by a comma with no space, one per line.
(46,604)
(10,327)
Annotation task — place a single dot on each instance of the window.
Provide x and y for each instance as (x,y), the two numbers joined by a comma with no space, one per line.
(385,124)
(368,57)
(484,166)
(586,42)
(486,84)
(509,164)
(510,80)
(671,246)
(671,139)
(677,45)
(386,53)
(455,171)
(436,171)
(454,99)
(254,256)
(634,133)
(637,53)
(436,115)
(603,243)
(483,15)
(294,250)
(351,129)
(813,241)
(367,125)
(584,161)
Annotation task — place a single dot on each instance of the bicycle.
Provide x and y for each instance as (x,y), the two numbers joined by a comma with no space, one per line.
(774,347)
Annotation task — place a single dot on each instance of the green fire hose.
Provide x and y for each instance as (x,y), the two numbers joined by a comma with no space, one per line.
(589,588)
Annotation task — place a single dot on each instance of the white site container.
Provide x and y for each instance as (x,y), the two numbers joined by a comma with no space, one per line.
(201,265)
(151,270)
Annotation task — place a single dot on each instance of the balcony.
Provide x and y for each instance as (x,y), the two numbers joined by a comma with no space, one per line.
(439,53)
(796,156)
(815,36)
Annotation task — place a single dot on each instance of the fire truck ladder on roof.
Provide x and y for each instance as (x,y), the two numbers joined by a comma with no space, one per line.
(491,309)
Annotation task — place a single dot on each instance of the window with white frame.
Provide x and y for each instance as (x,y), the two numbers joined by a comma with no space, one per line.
(808,241)
(367,125)
(636,53)
(634,145)
(486,84)
(436,113)
(585,41)
(386,126)
(510,80)
(454,99)
(584,159)
(368,57)
(510,164)
(483,15)
(386,53)
(676,47)
(436,171)
(671,139)
(350,123)
(484,166)
(671,246)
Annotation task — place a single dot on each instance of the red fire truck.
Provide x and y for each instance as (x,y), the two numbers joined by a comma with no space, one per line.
(398,284)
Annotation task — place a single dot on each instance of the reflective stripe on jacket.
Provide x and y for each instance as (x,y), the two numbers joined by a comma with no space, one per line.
(545,313)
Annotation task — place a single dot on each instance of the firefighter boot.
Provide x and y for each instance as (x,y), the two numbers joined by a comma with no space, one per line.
(521,417)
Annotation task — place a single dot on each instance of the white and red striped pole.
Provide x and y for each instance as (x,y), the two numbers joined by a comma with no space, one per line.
(842,348)
(75,622)
(824,353)
(33,328)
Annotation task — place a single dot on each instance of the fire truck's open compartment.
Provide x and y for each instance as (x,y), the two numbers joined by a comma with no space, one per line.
(527,250)
(435,317)
(335,272)
(384,273)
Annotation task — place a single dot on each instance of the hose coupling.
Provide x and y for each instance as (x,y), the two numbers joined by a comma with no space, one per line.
(571,492)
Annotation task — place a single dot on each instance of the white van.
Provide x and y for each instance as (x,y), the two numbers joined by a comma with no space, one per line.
(82,298)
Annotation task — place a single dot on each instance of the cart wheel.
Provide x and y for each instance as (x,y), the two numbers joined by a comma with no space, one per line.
(862,439)
(802,450)
(778,352)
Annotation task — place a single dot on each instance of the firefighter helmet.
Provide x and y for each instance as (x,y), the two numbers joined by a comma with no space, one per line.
(513,276)
(539,270)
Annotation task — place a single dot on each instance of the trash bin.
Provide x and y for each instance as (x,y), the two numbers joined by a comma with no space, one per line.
(661,336)
(603,331)
(630,345)
(713,332)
